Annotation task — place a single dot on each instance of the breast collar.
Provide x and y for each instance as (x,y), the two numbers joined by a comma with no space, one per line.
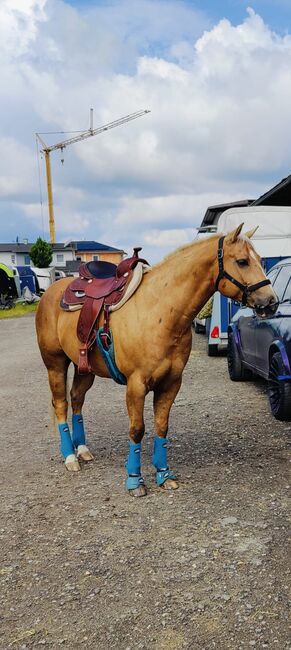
(246,289)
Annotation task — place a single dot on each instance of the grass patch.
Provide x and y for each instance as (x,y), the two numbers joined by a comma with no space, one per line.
(20,309)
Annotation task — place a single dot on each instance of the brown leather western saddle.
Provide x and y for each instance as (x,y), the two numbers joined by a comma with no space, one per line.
(99,286)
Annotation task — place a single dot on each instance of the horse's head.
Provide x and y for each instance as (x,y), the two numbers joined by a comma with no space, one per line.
(240,273)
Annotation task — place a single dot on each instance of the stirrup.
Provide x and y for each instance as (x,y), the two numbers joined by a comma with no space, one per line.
(163,475)
(134,482)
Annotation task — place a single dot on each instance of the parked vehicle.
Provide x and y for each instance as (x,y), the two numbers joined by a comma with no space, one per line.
(27,278)
(272,241)
(262,346)
(59,275)
(9,287)
(45,277)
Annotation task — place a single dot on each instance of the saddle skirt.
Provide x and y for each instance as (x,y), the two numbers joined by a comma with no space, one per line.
(101,286)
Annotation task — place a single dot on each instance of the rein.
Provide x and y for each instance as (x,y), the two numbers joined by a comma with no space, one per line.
(246,289)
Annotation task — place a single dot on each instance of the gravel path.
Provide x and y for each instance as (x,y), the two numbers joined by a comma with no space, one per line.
(85,566)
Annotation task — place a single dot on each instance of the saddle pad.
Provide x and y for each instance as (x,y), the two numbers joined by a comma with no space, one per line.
(136,279)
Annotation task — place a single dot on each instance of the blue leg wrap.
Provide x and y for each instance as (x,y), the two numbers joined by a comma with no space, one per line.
(78,435)
(133,466)
(160,461)
(66,446)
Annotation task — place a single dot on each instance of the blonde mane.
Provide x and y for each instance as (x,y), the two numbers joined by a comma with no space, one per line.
(185,248)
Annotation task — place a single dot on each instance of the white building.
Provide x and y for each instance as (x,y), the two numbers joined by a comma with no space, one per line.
(17,254)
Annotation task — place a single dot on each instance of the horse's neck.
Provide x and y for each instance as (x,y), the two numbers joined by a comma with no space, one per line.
(188,277)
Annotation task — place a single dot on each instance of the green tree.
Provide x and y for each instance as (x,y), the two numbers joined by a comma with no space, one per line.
(41,253)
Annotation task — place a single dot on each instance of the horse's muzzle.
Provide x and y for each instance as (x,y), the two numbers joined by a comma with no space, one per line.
(268,309)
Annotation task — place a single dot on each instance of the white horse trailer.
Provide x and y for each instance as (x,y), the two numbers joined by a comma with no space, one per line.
(45,277)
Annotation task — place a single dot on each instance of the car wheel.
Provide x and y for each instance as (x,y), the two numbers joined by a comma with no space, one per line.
(212,350)
(279,390)
(235,367)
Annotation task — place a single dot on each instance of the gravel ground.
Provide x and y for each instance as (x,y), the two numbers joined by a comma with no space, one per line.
(83,565)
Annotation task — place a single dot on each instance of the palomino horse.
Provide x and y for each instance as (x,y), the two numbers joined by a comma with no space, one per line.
(152,337)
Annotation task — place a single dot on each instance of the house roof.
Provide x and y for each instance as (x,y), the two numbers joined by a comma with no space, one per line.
(59,247)
(94,246)
(15,248)
(25,248)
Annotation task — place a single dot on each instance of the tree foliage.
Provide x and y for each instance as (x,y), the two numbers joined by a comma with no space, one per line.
(41,253)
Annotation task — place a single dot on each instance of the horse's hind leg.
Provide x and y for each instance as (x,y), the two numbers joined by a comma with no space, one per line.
(57,373)
(81,384)
(164,396)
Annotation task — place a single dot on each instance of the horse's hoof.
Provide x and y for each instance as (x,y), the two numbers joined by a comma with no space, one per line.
(84,453)
(72,464)
(170,484)
(141,491)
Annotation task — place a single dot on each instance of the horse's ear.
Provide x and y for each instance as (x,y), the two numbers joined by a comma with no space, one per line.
(250,233)
(232,236)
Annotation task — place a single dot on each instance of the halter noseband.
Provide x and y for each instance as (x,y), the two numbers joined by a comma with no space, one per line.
(246,290)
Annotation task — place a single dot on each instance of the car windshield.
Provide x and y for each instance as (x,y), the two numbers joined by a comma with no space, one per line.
(281,283)
(287,292)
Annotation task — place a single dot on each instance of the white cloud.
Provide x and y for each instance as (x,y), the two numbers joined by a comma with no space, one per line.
(18,26)
(172,238)
(220,104)
(17,168)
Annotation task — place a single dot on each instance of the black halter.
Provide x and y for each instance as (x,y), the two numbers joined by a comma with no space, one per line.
(246,290)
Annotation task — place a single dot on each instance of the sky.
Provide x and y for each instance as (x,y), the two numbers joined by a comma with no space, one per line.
(216,77)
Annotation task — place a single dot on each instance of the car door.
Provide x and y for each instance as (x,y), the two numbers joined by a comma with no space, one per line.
(247,332)
(268,329)
(247,325)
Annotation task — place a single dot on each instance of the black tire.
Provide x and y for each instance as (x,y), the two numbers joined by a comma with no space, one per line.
(279,390)
(212,350)
(235,367)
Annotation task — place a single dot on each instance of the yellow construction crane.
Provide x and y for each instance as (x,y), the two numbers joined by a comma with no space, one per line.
(62,145)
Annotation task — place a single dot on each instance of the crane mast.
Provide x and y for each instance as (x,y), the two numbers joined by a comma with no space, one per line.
(62,145)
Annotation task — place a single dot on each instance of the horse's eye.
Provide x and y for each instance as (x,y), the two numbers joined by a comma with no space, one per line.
(242,262)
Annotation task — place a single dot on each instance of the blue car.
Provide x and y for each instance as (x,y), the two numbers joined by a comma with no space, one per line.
(262,346)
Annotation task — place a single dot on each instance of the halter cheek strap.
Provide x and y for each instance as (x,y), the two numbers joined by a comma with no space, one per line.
(245,289)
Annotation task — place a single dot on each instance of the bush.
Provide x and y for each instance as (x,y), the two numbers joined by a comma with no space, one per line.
(41,253)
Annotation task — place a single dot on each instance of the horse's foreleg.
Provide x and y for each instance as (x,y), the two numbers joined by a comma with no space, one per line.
(163,400)
(81,384)
(135,396)
(58,384)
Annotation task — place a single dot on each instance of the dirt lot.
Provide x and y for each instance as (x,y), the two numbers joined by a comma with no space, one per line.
(83,565)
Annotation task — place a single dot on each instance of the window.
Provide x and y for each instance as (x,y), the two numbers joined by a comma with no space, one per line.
(273,274)
(78,258)
(95,258)
(60,258)
(281,280)
(13,258)
(26,260)
(287,294)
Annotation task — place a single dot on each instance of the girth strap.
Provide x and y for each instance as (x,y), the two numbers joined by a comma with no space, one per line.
(246,289)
